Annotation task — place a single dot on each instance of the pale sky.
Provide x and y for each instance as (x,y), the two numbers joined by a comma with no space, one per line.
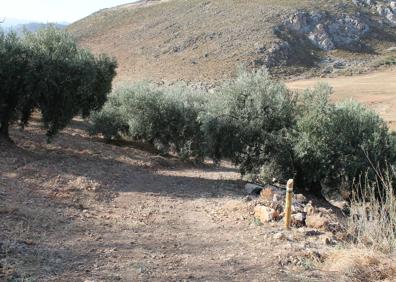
(54,10)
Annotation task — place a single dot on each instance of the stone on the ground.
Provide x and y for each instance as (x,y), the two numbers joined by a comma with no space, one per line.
(265,214)
(277,198)
(298,219)
(253,189)
(248,199)
(317,221)
(328,241)
(279,236)
(300,198)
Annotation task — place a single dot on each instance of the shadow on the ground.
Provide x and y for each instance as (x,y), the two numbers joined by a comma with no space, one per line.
(68,245)
(116,169)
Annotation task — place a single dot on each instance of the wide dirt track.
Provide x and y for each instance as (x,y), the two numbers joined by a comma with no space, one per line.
(82,210)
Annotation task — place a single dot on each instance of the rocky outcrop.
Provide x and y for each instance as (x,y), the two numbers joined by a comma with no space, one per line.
(278,54)
(325,31)
(385,8)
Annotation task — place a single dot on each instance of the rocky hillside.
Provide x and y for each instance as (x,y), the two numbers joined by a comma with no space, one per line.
(199,40)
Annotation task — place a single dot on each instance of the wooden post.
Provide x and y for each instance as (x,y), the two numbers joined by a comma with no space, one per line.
(288,206)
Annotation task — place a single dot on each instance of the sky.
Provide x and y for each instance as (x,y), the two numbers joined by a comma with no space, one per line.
(54,10)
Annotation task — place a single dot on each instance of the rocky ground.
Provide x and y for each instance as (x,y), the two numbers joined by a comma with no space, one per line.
(82,210)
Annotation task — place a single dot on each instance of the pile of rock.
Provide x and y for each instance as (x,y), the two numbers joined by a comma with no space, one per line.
(269,207)
(384,8)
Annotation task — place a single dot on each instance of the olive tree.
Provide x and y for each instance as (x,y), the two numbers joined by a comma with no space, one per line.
(15,66)
(49,73)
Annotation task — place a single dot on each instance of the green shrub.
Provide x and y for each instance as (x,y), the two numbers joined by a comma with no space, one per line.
(165,117)
(109,122)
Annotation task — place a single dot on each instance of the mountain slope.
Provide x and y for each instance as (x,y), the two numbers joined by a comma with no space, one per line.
(199,40)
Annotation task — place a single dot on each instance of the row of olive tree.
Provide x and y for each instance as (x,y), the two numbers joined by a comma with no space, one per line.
(46,71)
(265,129)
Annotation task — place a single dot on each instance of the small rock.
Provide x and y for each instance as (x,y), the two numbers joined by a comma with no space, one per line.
(393,6)
(391,49)
(298,219)
(327,241)
(312,233)
(279,236)
(265,214)
(248,199)
(300,198)
(277,198)
(339,65)
(253,189)
(317,221)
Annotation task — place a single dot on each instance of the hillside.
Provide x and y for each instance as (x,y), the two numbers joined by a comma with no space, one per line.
(205,40)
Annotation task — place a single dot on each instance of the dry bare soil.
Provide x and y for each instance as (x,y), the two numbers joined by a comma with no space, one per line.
(377,90)
(82,210)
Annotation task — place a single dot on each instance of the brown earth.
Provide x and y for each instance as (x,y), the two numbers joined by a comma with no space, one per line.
(376,90)
(82,210)
(205,41)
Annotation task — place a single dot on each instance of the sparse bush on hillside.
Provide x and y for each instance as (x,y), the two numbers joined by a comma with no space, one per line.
(259,125)
(164,117)
(46,71)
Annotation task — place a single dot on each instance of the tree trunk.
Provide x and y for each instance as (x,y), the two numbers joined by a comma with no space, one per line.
(4,132)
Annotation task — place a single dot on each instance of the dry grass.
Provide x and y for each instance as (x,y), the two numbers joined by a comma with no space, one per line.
(372,221)
(357,264)
(371,254)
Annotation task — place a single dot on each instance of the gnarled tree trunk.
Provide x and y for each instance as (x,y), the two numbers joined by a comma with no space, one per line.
(4,132)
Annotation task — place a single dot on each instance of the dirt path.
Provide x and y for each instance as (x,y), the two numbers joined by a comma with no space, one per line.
(82,210)
(377,90)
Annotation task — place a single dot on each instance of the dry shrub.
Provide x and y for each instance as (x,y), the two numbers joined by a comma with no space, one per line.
(372,220)
(361,264)
(370,255)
